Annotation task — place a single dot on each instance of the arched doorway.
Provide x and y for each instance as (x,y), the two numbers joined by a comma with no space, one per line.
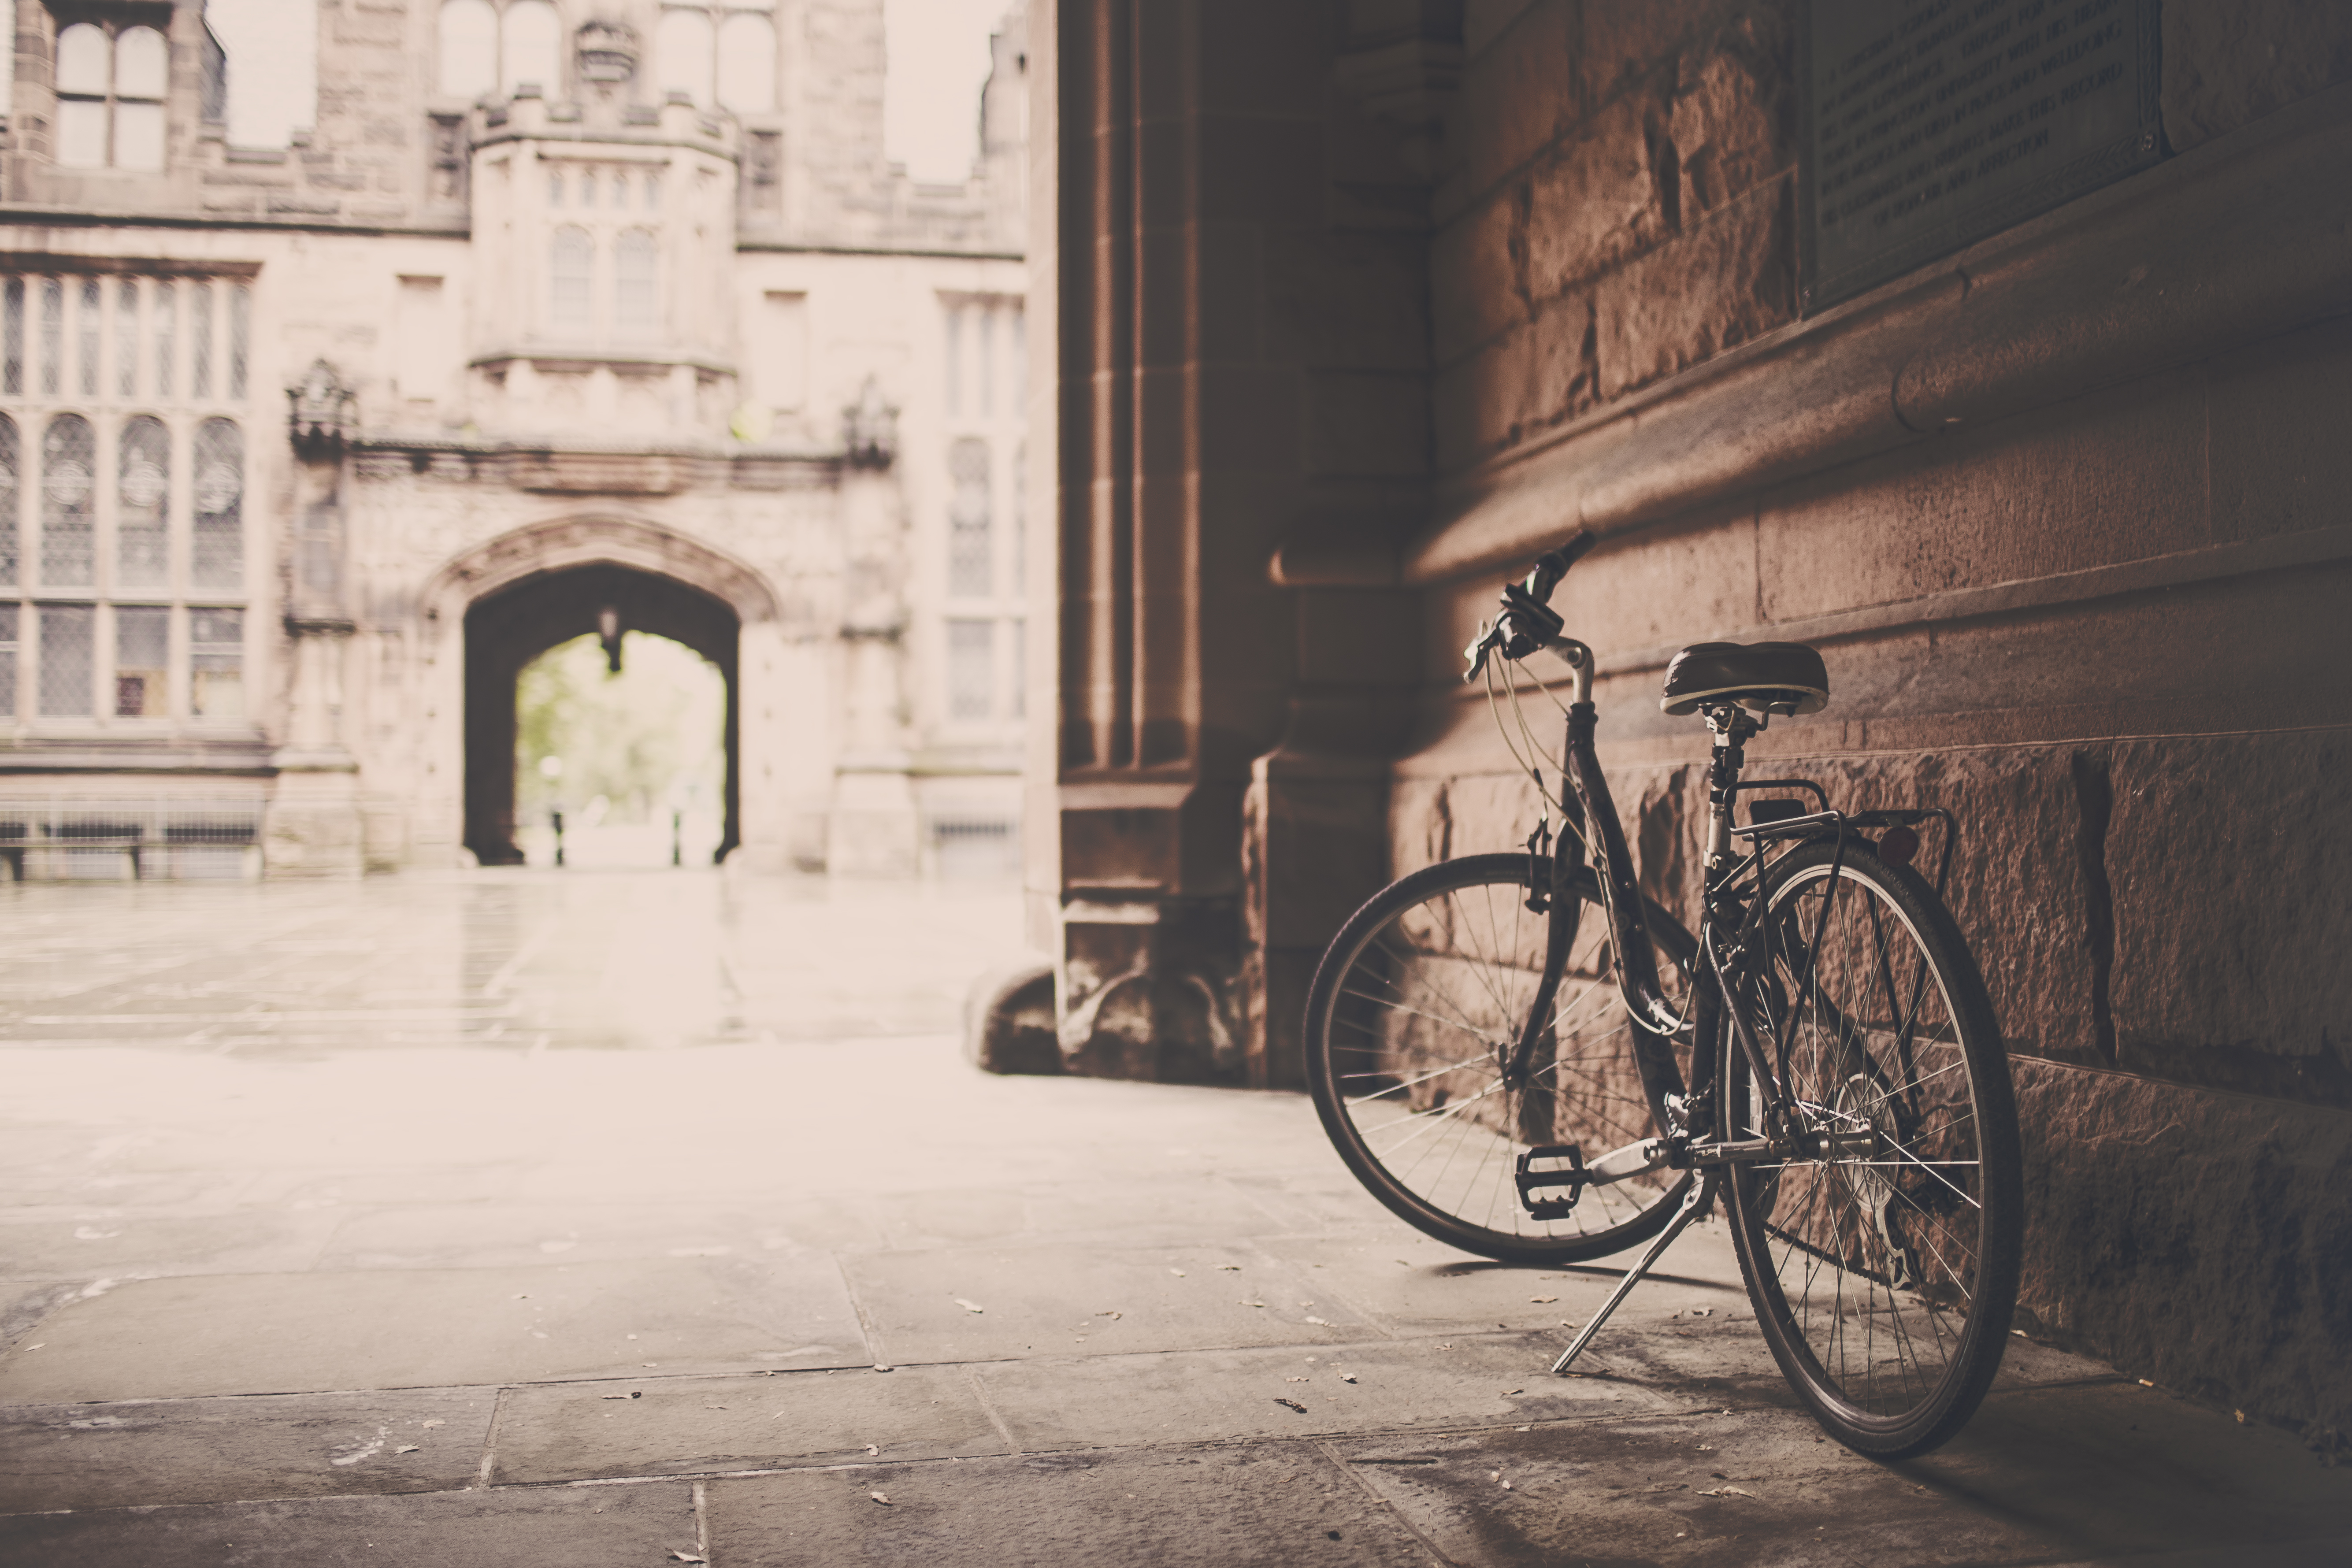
(508,628)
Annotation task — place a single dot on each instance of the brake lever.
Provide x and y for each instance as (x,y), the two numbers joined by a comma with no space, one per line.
(1488,638)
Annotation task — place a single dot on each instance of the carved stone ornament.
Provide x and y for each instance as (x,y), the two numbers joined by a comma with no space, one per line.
(870,429)
(607,52)
(322,414)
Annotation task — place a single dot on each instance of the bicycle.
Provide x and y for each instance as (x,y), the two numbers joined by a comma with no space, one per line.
(1819,1056)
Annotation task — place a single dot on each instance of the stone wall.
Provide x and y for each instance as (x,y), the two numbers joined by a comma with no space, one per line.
(2057,509)
(2150,768)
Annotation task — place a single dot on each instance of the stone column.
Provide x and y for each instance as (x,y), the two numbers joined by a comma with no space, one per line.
(1212,403)
(873,828)
(314,826)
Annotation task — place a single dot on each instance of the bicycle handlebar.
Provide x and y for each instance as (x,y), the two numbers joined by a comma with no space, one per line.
(1528,621)
(1553,565)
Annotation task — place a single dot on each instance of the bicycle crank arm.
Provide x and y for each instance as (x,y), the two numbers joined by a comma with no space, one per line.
(1694,1203)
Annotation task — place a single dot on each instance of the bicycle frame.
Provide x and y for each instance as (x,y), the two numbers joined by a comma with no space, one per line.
(1637,971)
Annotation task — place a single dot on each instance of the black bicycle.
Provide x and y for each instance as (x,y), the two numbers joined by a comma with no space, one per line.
(1526,1057)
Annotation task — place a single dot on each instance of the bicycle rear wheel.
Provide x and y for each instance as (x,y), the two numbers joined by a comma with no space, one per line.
(1415,1008)
(1884,1276)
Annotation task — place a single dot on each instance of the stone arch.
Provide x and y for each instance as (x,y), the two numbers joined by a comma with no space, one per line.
(515,597)
(595,539)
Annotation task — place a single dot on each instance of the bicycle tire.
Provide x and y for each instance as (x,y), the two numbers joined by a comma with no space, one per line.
(1858,1267)
(1369,1041)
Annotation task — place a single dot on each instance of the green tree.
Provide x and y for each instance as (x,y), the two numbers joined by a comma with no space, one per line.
(641,739)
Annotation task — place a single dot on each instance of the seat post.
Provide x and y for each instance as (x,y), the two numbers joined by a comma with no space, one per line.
(1730,725)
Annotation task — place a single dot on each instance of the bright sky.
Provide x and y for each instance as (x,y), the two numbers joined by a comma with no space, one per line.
(939,58)
(930,107)
(273,67)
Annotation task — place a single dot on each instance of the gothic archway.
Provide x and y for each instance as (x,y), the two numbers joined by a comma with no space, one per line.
(507,629)
(523,593)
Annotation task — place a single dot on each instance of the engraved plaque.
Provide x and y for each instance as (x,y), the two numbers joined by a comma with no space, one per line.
(1931,124)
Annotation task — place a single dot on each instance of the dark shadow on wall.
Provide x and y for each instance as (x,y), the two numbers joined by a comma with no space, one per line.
(507,629)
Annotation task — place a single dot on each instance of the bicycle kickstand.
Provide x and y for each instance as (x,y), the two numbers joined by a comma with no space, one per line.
(1694,1201)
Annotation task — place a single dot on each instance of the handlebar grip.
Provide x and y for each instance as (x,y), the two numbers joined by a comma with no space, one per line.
(1553,565)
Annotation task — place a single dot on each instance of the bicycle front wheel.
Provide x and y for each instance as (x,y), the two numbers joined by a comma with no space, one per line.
(1884,1271)
(1417,1007)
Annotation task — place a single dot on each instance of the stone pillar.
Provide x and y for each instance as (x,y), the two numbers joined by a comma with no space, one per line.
(314,826)
(873,828)
(1209,404)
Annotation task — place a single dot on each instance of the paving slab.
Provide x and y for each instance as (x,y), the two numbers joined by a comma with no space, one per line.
(225,1450)
(1284,1505)
(653,1426)
(97,1243)
(1077,1402)
(988,1303)
(576,1527)
(280,1333)
(2082,1471)
(1103,1212)
(499,1235)
(1410,1284)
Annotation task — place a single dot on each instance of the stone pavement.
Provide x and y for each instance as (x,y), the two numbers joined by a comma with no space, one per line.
(638,1218)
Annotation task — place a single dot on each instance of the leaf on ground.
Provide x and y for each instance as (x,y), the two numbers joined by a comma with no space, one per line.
(1543,1300)
(1508,1391)
(432,1423)
(1293,1404)
(970,1306)
(882,1497)
(1252,1303)
(1320,1322)
(1726,1491)
(1229,1267)
(1114,1317)
(872,1449)
(678,1556)
(1702,1311)
(1347,1377)
(1293,1380)
(406,1448)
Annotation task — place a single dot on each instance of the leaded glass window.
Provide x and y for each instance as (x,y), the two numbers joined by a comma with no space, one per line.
(969,558)
(167,313)
(747,64)
(637,295)
(53,334)
(11,463)
(12,338)
(571,304)
(533,49)
(217,546)
(469,49)
(200,338)
(68,536)
(682,62)
(216,663)
(971,649)
(142,661)
(69,642)
(142,529)
(126,337)
(87,655)
(240,336)
(91,294)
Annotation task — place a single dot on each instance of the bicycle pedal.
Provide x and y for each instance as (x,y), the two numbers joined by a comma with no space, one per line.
(1574,1176)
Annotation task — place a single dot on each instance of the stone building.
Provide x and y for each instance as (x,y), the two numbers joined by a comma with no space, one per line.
(1999,348)
(563,317)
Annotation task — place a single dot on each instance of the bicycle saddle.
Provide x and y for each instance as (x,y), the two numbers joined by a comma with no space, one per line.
(1769,676)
